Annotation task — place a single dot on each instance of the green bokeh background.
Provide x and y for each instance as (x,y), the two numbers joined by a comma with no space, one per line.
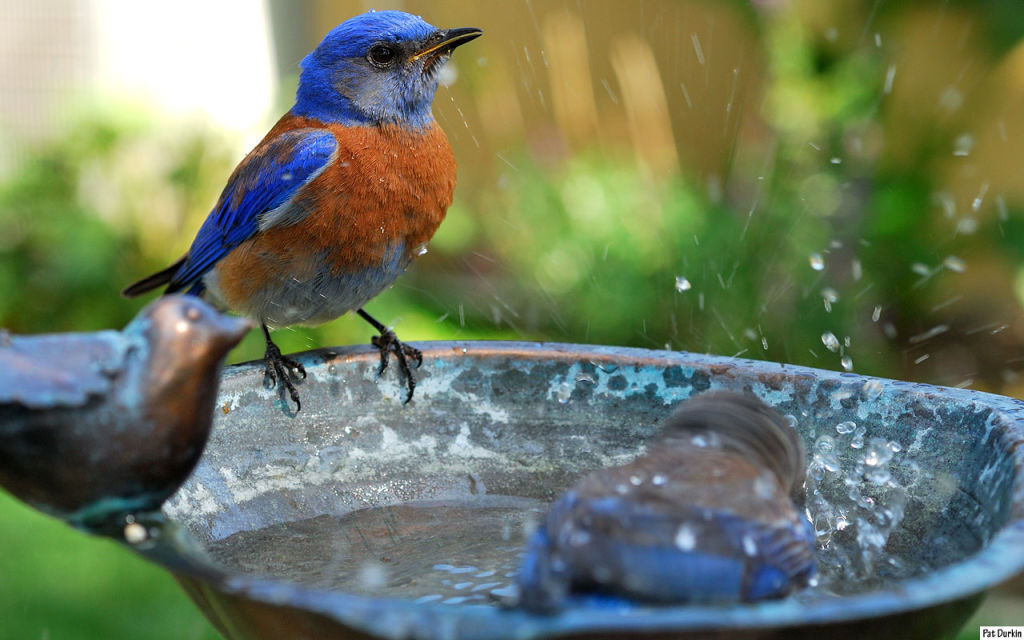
(722,177)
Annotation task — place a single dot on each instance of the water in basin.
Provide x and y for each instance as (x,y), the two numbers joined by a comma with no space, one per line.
(455,552)
(859,491)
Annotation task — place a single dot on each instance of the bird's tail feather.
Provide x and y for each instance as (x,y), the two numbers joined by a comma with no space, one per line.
(149,283)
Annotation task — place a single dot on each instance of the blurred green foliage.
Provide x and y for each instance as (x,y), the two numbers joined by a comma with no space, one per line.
(838,219)
(58,584)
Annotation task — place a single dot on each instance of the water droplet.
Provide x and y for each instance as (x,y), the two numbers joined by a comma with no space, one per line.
(846,427)
(877,313)
(421,249)
(872,389)
(135,533)
(830,294)
(836,160)
(764,485)
(586,377)
(636,481)
(563,392)
(817,262)
(912,467)
(954,264)
(847,363)
(967,225)
(686,538)
(858,437)
(428,598)
(830,341)
(578,538)
(921,269)
(963,145)
(825,455)
(878,475)
(372,576)
(749,546)
(976,203)
(659,479)
(697,49)
(825,444)
(877,452)
(682,284)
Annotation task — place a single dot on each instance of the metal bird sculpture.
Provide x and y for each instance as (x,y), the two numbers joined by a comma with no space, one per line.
(94,426)
(706,515)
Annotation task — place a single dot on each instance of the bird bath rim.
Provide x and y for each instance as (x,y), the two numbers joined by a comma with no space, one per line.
(999,559)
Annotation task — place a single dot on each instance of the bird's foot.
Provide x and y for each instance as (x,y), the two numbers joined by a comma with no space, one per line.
(283,369)
(389,343)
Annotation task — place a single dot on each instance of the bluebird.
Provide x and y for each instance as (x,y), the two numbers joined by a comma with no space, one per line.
(706,515)
(94,425)
(339,197)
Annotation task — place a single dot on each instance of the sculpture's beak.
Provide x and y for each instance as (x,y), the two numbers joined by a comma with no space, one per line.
(231,329)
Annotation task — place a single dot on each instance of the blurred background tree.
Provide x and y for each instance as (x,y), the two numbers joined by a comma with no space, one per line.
(834,184)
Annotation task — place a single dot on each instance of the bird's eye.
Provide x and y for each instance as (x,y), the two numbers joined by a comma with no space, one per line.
(381,55)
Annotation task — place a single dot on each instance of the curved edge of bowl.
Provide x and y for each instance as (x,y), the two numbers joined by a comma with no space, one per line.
(961,585)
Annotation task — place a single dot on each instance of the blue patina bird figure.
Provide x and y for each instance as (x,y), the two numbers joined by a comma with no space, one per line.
(96,426)
(339,197)
(706,515)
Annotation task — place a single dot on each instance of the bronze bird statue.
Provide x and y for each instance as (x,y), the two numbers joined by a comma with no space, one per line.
(98,426)
(706,515)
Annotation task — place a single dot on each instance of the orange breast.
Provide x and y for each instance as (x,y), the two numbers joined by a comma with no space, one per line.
(386,189)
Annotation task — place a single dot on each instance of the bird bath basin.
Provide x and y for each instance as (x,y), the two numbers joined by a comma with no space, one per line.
(362,517)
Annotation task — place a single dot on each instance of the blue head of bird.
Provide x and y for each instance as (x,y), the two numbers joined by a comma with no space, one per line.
(378,67)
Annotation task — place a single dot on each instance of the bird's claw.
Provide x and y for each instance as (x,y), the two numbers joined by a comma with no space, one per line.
(387,342)
(283,369)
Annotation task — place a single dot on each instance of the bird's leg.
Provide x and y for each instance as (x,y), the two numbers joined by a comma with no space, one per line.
(281,368)
(388,342)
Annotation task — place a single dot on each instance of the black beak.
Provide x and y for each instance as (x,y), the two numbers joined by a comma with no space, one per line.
(444,42)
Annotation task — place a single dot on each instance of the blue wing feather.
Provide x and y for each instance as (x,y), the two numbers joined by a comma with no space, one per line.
(266,179)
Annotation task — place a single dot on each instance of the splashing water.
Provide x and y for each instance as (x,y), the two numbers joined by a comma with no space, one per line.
(830,341)
(856,498)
